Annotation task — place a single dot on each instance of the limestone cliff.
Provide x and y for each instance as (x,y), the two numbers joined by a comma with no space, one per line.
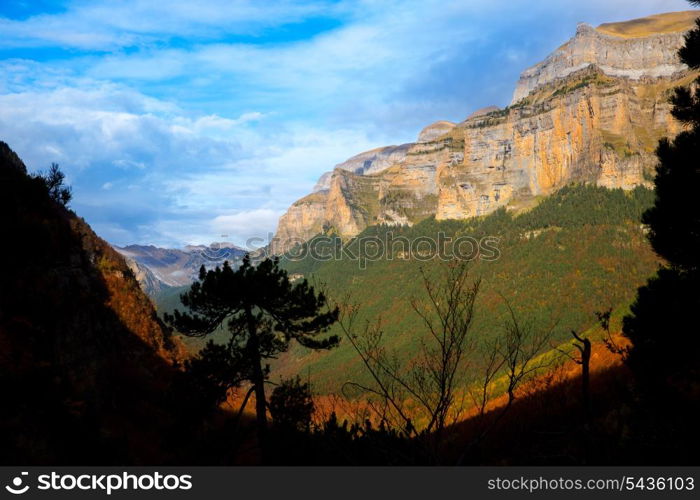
(369,162)
(588,127)
(592,112)
(636,49)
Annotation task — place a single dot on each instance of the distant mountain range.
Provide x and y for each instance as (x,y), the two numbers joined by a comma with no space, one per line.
(158,268)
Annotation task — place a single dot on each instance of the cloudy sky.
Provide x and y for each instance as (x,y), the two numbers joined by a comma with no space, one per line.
(177,122)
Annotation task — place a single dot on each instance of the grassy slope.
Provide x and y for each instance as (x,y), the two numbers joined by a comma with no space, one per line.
(672,22)
(577,252)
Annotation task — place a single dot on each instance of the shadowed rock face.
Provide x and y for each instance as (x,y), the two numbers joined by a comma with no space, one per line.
(592,112)
(148,281)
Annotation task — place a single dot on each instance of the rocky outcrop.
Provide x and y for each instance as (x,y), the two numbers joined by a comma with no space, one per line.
(369,162)
(400,194)
(592,112)
(148,282)
(434,131)
(586,128)
(304,219)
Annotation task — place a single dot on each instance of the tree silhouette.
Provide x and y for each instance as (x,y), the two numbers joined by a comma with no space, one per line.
(663,324)
(263,312)
(584,347)
(430,379)
(208,376)
(53,180)
(292,405)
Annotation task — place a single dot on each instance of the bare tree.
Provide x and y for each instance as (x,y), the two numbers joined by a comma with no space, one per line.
(420,396)
(447,316)
(610,343)
(493,363)
(516,356)
(431,379)
(520,350)
(585,349)
(386,396)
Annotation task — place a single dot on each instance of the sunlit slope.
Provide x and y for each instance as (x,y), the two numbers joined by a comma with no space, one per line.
(672,22)
(579,251)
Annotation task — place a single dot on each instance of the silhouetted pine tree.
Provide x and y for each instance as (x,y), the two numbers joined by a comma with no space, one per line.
(663,326)
(53,180)
(263,312)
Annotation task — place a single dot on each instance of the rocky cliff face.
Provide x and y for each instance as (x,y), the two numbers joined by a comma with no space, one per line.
(588,127)
(158,268)
(592,112)
(148,281)
(634,50)
(369,162)
(399,194)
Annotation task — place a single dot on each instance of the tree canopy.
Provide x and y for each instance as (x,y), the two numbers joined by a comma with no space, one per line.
(263,311)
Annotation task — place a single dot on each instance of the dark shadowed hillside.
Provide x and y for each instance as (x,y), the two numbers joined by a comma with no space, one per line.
(85,363)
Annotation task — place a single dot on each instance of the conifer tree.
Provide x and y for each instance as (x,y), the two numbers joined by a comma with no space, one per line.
(663,326)
(263,312)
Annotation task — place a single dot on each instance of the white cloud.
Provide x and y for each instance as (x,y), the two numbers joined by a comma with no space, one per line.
(107,125)
(166,175)
(392,55)
(170,143)
(108,25)
(256,224)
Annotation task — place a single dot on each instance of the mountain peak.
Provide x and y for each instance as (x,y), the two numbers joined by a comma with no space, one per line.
(591,112)
(435,130)
(636,49)
(10,160)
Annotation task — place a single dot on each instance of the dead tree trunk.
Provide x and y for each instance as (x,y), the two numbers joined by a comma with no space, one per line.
(584,346)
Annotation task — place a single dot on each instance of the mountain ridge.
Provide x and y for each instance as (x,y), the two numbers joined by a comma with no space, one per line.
(658,23)
(158,268)
(570,122)
(652,53)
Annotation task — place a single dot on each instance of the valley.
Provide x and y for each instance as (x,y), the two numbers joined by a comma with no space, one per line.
(515,288)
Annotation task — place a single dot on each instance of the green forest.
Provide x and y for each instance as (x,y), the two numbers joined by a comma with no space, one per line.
(578,252)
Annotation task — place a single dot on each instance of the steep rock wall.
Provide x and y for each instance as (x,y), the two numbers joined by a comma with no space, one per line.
(592,112)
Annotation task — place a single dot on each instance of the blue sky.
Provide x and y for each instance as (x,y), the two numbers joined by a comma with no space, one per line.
(179,121)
